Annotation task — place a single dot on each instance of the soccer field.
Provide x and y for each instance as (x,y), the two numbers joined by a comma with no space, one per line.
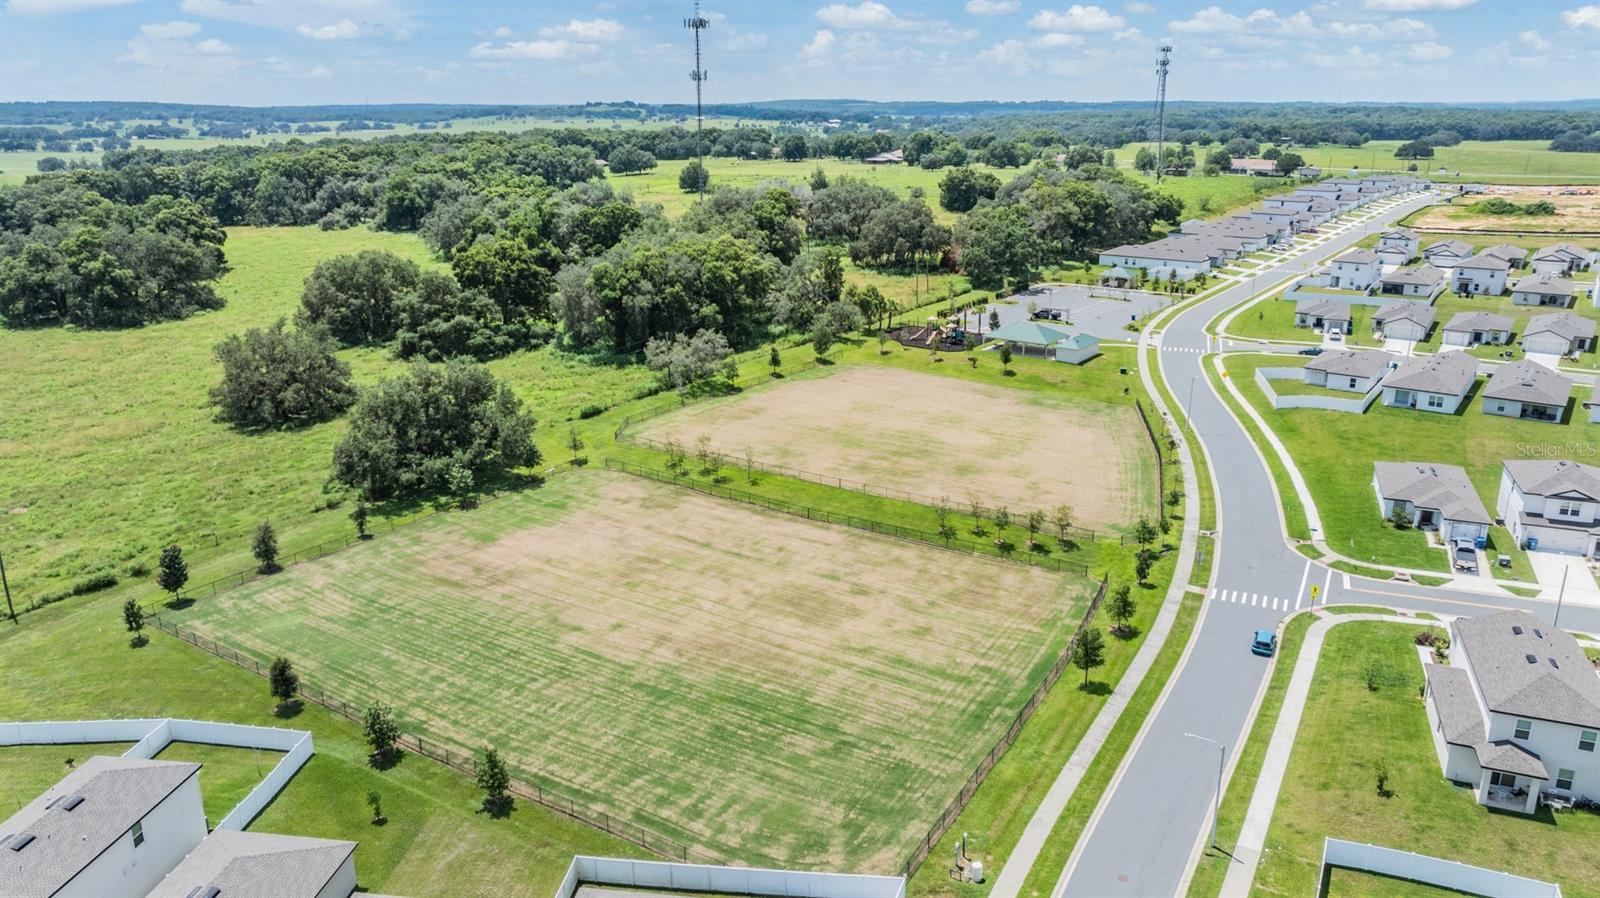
(778,691)
(938,437)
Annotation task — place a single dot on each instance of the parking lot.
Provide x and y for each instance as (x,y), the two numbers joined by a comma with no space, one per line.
(1094,310)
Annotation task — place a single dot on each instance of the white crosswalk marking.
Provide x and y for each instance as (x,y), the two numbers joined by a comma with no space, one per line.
(1253,598)
(1297,603)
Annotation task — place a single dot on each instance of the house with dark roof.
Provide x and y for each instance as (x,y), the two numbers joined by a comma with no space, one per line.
(1477,328)
(1526,389)
(1552,505)
(112,826)
(1481,274)
(1404,319)
(1516,714)
(1542,290)
(1322,315)
(1353,371)
(1431,497)
(1423,281)
(1431,383)
(244,863)
(1559,333)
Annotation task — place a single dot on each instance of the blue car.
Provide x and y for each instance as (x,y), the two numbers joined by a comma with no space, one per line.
(1264,644)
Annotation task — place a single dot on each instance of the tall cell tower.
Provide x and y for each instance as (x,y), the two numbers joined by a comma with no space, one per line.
(698,24)
(1161,110)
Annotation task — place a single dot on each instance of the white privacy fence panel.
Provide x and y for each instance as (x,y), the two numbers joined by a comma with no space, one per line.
(151,735)
(1357,403)
(1433,870)
(737,880)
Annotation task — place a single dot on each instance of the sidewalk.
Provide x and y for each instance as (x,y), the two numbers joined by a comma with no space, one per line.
(1253,833)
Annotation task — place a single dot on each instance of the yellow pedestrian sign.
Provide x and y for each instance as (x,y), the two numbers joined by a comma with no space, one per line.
(1314,590)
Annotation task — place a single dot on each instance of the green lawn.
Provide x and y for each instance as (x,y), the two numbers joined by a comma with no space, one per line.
(1491,161)
(227,773)
(1273,319)
(1448,305)
(1345,883)
(436,843)
(1333,793)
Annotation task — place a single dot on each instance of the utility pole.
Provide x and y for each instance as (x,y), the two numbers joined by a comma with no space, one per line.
(698,24)
(1161,109)
(7,585)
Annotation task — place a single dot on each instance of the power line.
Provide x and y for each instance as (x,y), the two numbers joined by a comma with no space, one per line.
(698,24)
(1161,109)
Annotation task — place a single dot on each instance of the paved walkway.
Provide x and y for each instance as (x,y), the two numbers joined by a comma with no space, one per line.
(1253,834)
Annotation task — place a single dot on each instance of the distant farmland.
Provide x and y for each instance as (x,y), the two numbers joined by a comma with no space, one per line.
(778,691)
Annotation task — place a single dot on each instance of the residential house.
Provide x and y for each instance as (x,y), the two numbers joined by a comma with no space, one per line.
(1353,371)
(1288,201)
(246,863)
(1516,714)
(1542,290)
(892,157)
(1551,504)
(1181,258)
(1398,246)
(1258,167)
(1405,319)
(1482,273)
(1422,280)
(1354,270)
(1526,389)
(1515,256)
(1322,315)
(112,826)
(1558,333)
(1561,259)
(1275,216)
(1477,328)
(1446,253)
(1431,497)
(1431,383)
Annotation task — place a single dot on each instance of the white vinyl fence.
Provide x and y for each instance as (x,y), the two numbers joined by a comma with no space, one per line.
(151,735)
(735,880)
(1432,870)
(1357,403)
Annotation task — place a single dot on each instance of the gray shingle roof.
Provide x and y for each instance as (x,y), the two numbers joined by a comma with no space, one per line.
(1399,234)
(1405,310)
(1462,724)
(1485,262)
(1543,285)
(1357,257)
(1448,373)
(242,863)
(1323,308)
(1353,363)
(1562,324)
(1561,251)
(1555,477)
(1458,248)
(116,792)
(1167,250)
(1427,485)
(1506,251)
(1478,321)
(1426,275)
(1558,685)
(1527,381)
(1512,758)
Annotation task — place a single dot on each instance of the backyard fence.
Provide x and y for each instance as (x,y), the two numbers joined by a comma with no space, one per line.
(1161,460)
(679,400)
(1022,557)
(1433,870)
(528,786)
(702,878)
(947,818)
(846,483)
(1358,403)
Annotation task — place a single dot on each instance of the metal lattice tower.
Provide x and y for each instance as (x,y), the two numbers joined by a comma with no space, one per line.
(1161,110)
(698,24)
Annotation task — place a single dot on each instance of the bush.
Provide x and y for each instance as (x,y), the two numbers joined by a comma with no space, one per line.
(590,411)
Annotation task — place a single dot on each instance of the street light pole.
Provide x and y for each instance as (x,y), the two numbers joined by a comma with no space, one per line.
(7,586)
(1222,760)
(1559,596)
(1188,405)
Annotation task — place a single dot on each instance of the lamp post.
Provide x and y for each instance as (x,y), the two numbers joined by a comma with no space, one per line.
(1188,405)
(1222,760)
(1559,596)
(6,584)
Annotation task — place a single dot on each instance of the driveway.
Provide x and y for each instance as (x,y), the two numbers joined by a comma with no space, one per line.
(1549,567)
(1549,360)
(1405,348)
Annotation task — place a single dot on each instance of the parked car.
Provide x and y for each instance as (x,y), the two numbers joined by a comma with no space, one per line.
(1046,315)
(1464,554)
(1311,350)
(1309,231)
(1335,336)
(1264,643)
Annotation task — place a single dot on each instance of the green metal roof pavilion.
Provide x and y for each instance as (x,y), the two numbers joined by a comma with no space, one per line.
(1028,333)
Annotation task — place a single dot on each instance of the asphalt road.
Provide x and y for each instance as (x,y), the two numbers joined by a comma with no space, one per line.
(1150,821)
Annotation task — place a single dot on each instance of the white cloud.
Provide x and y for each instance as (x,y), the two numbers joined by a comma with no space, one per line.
(50,7)
(319,71)
(1138,9)
(390,16)
(1353,59)
(819,49)
(864,15)
(1417,5)
(743,41)
(213,47)
(503,31)
(342,30)
(1211,20)
(1127,34)
(1429,51)
(1058,39)
(1532,39)
(1582,17)
(589,31)
(1011,55)
(1387,30)
(166,50)
(168,30)
(542,50)
(1077,19)
(993,7)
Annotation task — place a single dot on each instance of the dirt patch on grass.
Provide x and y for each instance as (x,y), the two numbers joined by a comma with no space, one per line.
(1577,211)
(781,691)
(935,437)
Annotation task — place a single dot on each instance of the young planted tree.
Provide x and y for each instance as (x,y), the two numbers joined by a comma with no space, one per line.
(359,516)
(702,452)
(1144,533)
(133,619)
(494,780)
(282,681)
(979,515)
(381,732)
(1122,608)
(375,801)
(1088,652)
(774,359)
(1061,517)
(994,319)
(173,571)
(883,341)
(1005,357)
(265,548)
(574,442)
(460,481)
(749,465)
(1035,522)
(1142,563)
(1002,518)
(941,510)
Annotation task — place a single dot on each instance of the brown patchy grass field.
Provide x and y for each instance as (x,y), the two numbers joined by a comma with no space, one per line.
(1577,211)
(778,691)
(936,437)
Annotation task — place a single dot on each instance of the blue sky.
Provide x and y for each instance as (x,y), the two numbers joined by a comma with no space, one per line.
(255,52)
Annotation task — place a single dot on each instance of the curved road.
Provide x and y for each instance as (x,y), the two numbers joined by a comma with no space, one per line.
(1154,816)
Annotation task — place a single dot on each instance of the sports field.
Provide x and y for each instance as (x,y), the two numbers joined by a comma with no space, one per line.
(937,437)
(781,691)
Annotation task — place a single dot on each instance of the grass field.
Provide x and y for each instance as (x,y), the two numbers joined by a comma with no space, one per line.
(1577,209)
(1332,793)
(682,655)
(1493,161)
(937,438)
